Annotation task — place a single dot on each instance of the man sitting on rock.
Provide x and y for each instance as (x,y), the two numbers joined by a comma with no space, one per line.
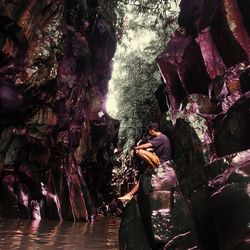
(161,153)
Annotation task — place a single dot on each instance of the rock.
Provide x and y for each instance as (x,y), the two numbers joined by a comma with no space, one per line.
(213,62)
(197,15)
(232,134)
(203,220)
(229,200)
(235,23)
(245,80)
(224,39)
(193,147)
(209,112)
(54,72)
(244,7)
(162,99)
(183,69)
(11,100)
(198,104)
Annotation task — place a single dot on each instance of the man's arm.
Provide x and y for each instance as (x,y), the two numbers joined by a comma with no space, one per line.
(145,145)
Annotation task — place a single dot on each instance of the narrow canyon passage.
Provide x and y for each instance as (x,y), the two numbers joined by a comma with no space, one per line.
(64,158)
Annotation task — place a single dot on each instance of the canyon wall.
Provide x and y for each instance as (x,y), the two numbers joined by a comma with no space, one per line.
(56,138)
(205,95)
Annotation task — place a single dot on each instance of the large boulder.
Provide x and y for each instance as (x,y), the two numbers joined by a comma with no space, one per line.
(229,200)
(232,135)
(183,69)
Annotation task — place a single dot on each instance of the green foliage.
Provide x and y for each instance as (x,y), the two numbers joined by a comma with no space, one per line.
(115,11)
(157,15)
(137,103)
(137,77)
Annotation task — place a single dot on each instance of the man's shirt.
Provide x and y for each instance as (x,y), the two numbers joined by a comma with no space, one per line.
(162,147)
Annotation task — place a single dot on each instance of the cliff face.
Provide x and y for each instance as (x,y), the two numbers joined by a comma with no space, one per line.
(57,140)
(206,75)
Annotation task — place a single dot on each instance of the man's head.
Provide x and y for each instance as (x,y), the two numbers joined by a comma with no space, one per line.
(153,128)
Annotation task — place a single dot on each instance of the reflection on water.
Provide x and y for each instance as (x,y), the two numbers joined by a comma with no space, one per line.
(22,234)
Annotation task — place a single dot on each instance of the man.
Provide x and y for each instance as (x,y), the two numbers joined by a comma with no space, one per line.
(160,144)
(161,153)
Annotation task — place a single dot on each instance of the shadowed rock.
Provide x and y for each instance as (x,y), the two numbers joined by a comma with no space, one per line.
(182,69)
(55,67)
(235,21)
(193,148)
(229,200)
(232,135)
(215,124)
(225,40)
(162,99)
(197,15)
(212,59)
(244,7)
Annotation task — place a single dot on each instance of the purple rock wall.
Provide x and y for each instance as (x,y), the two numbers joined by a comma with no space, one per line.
(56,139)
(205,69)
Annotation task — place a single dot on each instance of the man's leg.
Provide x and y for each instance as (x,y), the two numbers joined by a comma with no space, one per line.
(151,158)
(130,194)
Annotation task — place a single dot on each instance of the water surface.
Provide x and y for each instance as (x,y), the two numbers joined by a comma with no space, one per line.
(22,234)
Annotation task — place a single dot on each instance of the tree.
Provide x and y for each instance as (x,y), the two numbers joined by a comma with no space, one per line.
(137,77)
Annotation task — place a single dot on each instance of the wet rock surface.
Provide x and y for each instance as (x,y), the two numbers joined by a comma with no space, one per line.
(56,59)
(207,100)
